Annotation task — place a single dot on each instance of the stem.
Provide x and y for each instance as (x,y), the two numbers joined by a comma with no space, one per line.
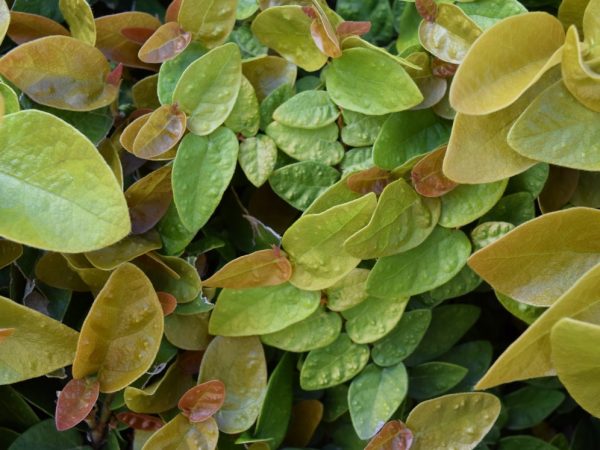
(98,432)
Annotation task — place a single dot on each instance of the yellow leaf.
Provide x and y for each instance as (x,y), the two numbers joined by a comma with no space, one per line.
(579,78)
(181,434)
(160,132)
(167,42)
(506,60)
(121,334)
(25,27)
(80,18)
(209,21)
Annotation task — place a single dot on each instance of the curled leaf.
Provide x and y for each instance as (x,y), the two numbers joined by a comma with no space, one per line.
(75,402)
(427,175)
(203,401)
(168,41)
(160,132)
(181,434)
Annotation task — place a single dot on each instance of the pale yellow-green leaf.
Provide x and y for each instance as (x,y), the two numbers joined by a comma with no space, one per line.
(591,28)
(37,346)
(581,81)
(286,29)
(57,192)
(314,243)
(455,421)
(209,21)
(505,61)
(181,434)
(80,18)
(530,355)
(576,356)
(4,19)
(121,334)
(570,12)
(240,364)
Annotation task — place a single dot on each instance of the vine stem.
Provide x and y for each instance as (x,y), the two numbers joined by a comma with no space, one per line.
(100,427)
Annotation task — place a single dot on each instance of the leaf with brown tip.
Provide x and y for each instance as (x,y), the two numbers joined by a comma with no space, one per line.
(394,435)
(46,71)
(427,175)
(168,41)
(160,133)
(25,27)
(261,268)
(202,401)
(75,402)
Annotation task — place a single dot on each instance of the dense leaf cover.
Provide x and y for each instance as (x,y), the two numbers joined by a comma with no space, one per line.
(263,224)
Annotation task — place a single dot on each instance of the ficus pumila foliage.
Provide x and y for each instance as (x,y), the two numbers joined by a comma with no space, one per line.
(274,224)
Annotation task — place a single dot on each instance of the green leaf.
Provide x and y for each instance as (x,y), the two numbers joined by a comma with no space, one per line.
(378,13)
(359,129)
(44,436)
(408,134)
(15,412)
(188,332)
(257,157)
(448,324)
(486,13)
(317,330)
(11,101)
(524,442)
(434,378)
(349,291)
(373,318)
(374,396)
(245,116)
(256,311)
(523,311)
(329,366)
(476,356)
(403,339)
(575,356)
(530,355)
(514,208)
(20,356)
(439,258)
(308,109)
(273,101)
(468,202)
(313,239)
(121,334)
(319,144)
(572,140)
(203,168)
(286,29)
(461,284)
(529,406)
(170,71)
(489,232)
(532,180)
(240,364)
(401,221)
(208,89)
(565,247)
(210,23)
(383,83)
(453,421)
(274,417)
(301,183)
(74,204)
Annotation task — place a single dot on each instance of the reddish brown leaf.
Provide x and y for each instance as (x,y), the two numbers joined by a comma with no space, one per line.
(350,28)
(427,9)
(75,402)
(328,44)
(173,11)
(427,176)
(370,180)
(203,401)
(310,12)
(25,27)
(394,435)
(165,43)
(114,77)
(261,268)
(140,421)
(137,35)
(5,333)
(149,199)
(443,69)
(167,301)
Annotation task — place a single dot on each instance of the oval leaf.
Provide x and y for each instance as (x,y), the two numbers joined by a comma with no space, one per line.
(203,401)
(75,402)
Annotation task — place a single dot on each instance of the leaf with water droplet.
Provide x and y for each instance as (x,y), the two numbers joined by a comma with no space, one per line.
(335,364)
(308,109)
(257,158)
(248,312)
(374,396)
(349,291)
(203,168)
(384,85)
(209,22)
(373,318)
(453,421)
(80,207)
(75,402)
(121,334)
(240,364)
(21,357)
(181,434)
(202,401)
(314,243)
(208,88)
(245,115)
